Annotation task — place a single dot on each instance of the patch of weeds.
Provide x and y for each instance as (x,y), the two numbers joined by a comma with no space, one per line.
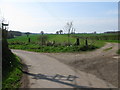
(108,49)
(88,48)
(118,52)
(56,49)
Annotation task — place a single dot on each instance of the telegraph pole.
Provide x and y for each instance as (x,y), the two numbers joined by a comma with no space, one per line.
(4,30)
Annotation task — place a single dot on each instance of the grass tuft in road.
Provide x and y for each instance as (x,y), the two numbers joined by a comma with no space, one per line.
(118,52)
(108,49)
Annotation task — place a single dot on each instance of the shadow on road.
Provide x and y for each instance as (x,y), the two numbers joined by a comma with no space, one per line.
(57,78)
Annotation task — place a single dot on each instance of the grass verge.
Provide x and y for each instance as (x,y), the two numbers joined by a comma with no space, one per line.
(58,48)
(118,51)
(54,49)
(13,74)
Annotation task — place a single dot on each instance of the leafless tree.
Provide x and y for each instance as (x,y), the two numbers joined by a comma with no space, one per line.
(27,33)
(69,28)
(42,32)
(43,39)
(73,31)
(61,31)
(57,32)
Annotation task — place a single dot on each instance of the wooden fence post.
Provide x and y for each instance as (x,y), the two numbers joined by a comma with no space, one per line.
(77,41)
(86,42)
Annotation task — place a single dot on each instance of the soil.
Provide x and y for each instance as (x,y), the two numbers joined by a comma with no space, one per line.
(24,80)
(102,62)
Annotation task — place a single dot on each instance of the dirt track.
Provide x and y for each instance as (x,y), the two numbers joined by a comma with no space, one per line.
(47,72)
(102,63)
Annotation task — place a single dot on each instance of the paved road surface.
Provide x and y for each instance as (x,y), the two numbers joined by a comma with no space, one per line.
(47,72)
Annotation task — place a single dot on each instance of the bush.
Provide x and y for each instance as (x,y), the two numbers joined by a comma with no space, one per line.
(43,39)
(87,48)
(57,48)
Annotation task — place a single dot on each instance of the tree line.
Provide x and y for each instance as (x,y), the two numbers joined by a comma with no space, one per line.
(12,34)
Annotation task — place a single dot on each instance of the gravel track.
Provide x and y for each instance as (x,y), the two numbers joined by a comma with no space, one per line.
(101,62)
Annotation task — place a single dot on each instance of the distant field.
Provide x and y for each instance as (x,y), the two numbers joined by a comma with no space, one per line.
(54,37)
(51,37)
(64,38)
(102,37)
(97,40)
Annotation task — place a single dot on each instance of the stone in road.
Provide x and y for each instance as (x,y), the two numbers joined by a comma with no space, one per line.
(47,72)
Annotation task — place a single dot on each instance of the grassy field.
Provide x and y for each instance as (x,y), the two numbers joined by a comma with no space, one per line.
(115,38)
(51,37)
(64,38)
(94,41)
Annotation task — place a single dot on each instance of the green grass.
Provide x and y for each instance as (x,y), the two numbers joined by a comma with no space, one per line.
(22,42)
(64,38)
(111,41)
(59,48)
(118,51)
(115,38)
(60,38)
(55,49)
(12,75)
(23,38)
(51,37)
(108,49)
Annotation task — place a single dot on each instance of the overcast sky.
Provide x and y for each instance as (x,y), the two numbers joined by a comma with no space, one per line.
(35,16)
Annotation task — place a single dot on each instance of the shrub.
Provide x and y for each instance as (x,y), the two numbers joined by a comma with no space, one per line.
(42,39)
(89,47)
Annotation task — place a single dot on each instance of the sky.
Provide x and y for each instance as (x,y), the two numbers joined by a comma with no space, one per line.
(36,16)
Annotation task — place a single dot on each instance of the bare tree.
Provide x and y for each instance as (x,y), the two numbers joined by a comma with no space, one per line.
(42,39)
(27,33)
(61,31)
(73,31)
(42,32)
(69,28)
(57,32)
